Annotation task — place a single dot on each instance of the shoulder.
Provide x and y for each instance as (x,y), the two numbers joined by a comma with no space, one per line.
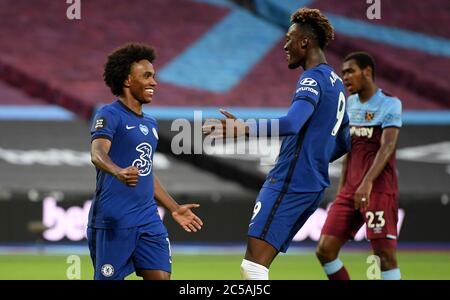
(390,102)
(391,110)
(104,119)
(324,76)
(309,83)
(107,109)
(312,77)
(150,119)
(107,116)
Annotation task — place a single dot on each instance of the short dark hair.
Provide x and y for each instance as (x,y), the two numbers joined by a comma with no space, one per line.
(118,65)
(363,60)
(318,24)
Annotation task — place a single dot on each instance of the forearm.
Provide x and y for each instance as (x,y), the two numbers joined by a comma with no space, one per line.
(275,127)
(102,161)
(387,149)
(379,163)
(163,197)
(299,112)
(343,173)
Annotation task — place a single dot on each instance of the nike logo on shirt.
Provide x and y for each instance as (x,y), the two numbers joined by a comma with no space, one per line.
(130,127)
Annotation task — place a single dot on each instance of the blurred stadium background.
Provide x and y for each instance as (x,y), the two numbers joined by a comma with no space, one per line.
(212,53)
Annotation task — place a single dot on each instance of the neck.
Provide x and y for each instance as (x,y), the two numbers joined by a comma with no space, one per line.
(314,58)
(132,104)
(367,93)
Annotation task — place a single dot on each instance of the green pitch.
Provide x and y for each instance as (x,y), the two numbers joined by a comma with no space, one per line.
(414,265)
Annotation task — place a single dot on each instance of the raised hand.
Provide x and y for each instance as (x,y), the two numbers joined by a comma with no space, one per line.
(227,114)
(221,128)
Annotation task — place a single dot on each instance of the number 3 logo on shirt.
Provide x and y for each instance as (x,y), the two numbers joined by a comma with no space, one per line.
(144,162)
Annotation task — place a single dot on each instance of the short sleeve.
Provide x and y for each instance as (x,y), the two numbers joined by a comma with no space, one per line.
(308,87)
(393,114)
(104,124)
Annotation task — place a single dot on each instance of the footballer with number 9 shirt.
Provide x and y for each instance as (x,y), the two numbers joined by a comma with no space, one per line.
(315,131)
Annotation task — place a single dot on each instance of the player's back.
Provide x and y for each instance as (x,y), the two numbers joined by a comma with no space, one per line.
(304,158)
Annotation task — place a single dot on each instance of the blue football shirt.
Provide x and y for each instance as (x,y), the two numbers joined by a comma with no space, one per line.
(302,165)
(133,143)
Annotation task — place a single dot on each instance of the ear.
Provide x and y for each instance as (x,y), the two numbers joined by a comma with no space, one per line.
(367,71)
(127,81)
(304,43)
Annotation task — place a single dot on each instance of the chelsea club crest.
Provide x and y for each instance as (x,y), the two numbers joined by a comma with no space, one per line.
(144,129)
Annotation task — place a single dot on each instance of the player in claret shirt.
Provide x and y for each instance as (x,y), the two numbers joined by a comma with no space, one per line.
(125,231)
(368,189)
(315,132)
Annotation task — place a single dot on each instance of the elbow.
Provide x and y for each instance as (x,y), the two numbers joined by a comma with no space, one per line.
(291,129)
(290,132)
(94,158)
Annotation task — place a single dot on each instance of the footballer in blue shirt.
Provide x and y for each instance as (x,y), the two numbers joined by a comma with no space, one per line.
(315,132)
(125,232)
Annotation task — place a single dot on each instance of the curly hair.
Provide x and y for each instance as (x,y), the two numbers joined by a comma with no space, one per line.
(118,65)
(319,26)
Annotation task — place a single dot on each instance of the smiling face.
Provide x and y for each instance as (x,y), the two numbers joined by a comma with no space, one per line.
(141,81)
(295,46)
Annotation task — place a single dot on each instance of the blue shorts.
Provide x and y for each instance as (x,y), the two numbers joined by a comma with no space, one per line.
(277,217)
(116,253)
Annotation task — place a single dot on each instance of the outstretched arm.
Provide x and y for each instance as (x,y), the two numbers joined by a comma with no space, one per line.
(296,117)
(298,114)
(182,214)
